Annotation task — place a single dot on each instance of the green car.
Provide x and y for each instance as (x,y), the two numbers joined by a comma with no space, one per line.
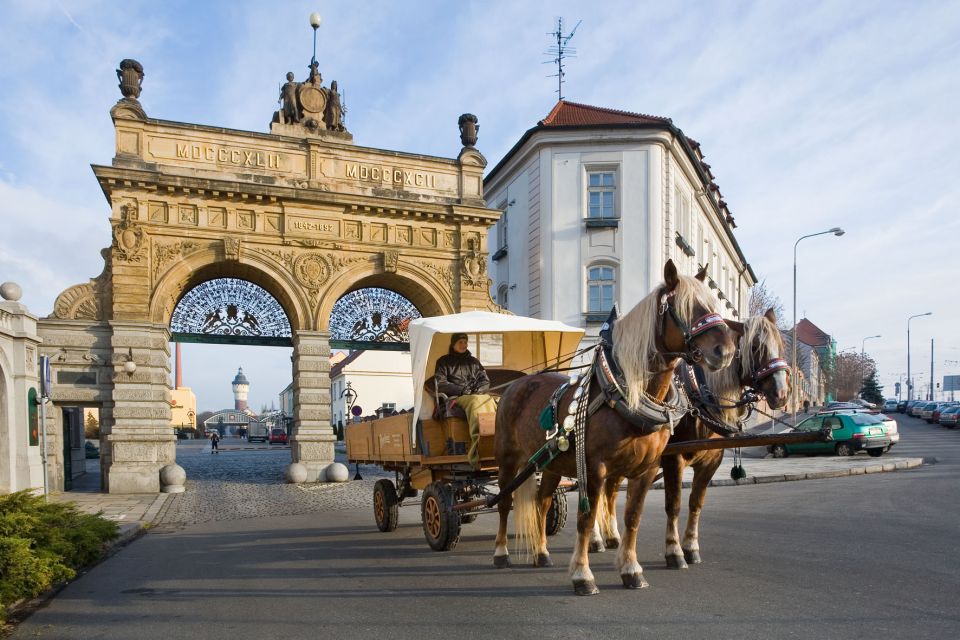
(852,432)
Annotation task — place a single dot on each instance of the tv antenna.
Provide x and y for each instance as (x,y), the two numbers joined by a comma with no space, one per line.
(561,51)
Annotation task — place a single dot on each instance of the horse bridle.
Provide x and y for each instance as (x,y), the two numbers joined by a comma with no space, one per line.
(701,325)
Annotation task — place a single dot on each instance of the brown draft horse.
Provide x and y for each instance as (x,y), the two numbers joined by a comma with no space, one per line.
(760,366)
(647,343)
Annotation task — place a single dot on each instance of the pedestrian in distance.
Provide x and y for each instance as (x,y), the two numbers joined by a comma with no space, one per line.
(214,443)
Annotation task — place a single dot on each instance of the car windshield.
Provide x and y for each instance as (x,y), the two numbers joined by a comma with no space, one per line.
(277,432)
(950,410)
(863,419)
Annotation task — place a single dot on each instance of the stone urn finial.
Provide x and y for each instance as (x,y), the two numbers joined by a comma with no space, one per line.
(130,75)
(468,129)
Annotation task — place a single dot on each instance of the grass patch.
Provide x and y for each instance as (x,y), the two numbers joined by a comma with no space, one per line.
(43,543)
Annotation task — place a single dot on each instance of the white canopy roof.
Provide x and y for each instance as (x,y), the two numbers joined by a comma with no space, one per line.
(528,345)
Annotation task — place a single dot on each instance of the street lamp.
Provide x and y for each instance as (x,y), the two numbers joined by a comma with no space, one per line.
(909,379)
(315,20)
(350,395)
(863,367)
(837,231)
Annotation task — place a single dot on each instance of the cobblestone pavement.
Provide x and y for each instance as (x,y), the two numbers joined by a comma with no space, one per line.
(244,481)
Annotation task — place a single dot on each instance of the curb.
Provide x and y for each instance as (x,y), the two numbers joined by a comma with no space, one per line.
(909,463)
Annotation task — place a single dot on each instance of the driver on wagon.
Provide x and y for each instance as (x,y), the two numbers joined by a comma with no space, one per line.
(462,378)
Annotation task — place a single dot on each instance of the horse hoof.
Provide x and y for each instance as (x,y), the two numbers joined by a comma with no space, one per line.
(597,547)
(585,587)
(693,557)
(613,543)
(501,562)
(633,581)
(676,562)
(542,560)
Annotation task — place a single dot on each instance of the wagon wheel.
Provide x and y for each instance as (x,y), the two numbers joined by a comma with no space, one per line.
(441,524)
(557,515)
(468,518)
(385,505)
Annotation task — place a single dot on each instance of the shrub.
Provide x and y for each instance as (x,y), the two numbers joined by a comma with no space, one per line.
(44,543)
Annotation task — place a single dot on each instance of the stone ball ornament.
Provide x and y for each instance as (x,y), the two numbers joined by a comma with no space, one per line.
(172,478)
(296,473)
(11,291)
(337,472)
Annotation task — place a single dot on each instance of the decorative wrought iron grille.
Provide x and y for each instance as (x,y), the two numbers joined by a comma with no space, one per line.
(230,307)
(372,315)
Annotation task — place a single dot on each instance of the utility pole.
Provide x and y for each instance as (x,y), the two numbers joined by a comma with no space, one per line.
(931,371)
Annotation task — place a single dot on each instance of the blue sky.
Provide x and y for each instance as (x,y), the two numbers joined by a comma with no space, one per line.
(812,115)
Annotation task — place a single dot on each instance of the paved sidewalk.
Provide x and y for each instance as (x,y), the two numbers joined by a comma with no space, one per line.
(135,513)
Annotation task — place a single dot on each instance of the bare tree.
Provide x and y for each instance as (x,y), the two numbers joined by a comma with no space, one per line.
(847,376)
(761,299)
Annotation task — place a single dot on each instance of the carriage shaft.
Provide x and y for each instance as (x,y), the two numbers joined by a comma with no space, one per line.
(824,435)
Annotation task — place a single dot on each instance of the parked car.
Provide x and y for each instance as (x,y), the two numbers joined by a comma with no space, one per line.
(927,412)
(935,416)
(889,405)
(278,436)
(91,450)
(831,406)
(852,432)
(902,406)
(892,430)
(915,409)
(949,416)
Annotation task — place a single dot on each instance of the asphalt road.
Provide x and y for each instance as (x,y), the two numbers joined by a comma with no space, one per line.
(855,557)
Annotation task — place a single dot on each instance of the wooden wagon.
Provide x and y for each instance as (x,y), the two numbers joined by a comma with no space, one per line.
(427,452)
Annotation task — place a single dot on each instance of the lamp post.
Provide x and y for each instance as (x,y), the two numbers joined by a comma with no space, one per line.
(315,23)
(837,231)
(350,395)
(910,379)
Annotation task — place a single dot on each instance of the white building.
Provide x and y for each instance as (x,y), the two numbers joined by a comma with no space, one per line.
(596,200)
(380,380)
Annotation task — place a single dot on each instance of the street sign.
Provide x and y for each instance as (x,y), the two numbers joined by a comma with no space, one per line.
(951,383)
(357,411)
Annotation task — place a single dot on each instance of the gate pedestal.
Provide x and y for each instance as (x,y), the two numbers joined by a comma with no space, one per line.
(313,438)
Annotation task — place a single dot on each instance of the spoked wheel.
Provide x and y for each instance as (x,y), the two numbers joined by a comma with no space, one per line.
(779,451)
(441,524)
(557,515)
(385,505)
(844,449)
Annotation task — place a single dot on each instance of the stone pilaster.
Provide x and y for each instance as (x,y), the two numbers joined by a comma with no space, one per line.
(141,441)
(313,438)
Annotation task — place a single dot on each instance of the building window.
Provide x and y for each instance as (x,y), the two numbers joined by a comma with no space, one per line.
(601,281)
(601,195)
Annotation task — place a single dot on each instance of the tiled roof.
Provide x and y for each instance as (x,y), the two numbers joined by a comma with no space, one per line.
(567,113)
(337,368)
(811,334)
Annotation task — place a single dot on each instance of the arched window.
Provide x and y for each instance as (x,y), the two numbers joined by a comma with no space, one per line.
(601,288)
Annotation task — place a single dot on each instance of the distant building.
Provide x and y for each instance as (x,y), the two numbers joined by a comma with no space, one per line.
(381,380)
(229,422)
(241,386)
(595,201)
(816,355)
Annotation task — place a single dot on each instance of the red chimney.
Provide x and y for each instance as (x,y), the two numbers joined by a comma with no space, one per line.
(179,374)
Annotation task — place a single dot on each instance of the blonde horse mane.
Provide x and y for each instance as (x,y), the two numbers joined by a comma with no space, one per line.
(725,383)
(634,335)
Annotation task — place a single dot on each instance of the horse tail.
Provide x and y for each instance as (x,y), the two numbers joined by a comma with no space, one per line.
(603,512)
(526,517)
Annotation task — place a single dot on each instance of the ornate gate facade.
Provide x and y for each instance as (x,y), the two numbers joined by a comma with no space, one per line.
(301,212)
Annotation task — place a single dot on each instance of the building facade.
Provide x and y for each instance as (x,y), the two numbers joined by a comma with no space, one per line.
(594,202)
(379,381)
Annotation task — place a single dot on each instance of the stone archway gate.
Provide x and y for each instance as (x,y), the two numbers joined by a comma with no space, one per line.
(307,215)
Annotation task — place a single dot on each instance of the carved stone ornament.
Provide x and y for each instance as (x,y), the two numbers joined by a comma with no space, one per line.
(474,266)
(128,237)
(231,249)
(468,129)
(130,75)
(390,260)
(166,254)
(77,303)
(311,270)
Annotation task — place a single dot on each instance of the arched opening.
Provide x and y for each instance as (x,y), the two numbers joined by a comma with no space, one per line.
(370,318)
(229,374)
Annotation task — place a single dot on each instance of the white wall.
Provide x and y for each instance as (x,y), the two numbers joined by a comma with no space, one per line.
(377,377)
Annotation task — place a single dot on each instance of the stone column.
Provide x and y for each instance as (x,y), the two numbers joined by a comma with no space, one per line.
(141,440)
(312,442)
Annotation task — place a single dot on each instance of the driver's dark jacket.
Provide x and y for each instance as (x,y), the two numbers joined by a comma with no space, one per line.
(459,374)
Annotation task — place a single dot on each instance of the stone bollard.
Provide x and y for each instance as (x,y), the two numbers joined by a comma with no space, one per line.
(337,472)
(172,477)
(296,473)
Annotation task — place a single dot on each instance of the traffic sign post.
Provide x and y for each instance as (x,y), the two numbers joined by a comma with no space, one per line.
(44,397)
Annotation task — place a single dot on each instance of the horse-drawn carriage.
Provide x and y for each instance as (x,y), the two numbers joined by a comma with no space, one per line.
(426,448)
(613,423)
